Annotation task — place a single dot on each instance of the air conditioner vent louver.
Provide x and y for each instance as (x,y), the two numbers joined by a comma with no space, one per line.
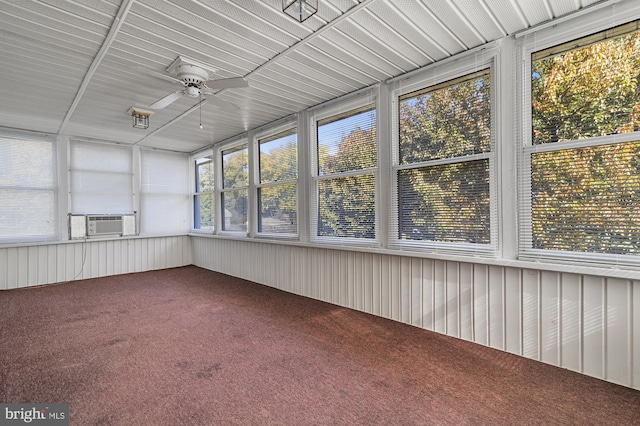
(104,225)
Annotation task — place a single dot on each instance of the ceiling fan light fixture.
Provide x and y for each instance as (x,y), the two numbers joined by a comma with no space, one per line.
(140,117)
(300,10)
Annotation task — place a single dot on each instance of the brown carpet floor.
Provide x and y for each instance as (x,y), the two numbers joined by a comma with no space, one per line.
(187,346)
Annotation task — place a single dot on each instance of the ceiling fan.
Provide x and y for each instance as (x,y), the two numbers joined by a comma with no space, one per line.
(195,81)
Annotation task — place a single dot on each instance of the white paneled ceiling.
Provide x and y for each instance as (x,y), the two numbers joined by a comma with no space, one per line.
(77,67)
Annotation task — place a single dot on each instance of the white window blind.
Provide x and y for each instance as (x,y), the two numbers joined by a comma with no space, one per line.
(581,165)
(443,167)
(101,178)
(203,198)
(346,154)
(164,203)
(235,184)
(277,187)
(28,189)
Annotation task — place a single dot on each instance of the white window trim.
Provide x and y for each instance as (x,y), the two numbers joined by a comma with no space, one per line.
(220,189)
(193,170)
(360,98)
(532,41)
(468,63)
(287,123)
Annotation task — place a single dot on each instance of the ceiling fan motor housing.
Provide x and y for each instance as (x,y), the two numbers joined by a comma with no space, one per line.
(193,77)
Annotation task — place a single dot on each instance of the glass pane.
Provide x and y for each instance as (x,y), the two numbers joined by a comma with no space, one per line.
(234,215)
(27,213)
(204,175)
(448,203)
(450,121)
(347,143)
(346,207)
(26,163)
(279,159)
(235,167)
(278,209)
(587,92)
(203,212)
(587,200)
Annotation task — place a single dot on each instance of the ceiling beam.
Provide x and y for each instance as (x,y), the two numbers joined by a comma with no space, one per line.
(125,6)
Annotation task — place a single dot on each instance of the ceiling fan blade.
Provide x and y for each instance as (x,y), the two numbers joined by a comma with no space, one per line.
(227,83)
(167,100)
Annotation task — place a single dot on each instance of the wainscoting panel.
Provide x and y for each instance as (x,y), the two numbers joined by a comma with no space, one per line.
(584,323)
(59,262)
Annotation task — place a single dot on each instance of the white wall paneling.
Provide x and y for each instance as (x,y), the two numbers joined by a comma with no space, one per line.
(59,262)
(580,322)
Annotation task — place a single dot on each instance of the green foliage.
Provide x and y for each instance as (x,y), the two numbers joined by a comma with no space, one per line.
(448,203)
(346,205)
(587,199)
(587,92)
(448,122)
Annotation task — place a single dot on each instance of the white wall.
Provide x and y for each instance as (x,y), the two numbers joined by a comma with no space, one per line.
(585,323)
(37,264)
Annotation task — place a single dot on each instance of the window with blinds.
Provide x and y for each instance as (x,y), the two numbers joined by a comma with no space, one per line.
(582,164)
(28,189)
(346,156)
(203,198)
(101,178)
(235,187)
(443,165)
(164,188)
(277,187)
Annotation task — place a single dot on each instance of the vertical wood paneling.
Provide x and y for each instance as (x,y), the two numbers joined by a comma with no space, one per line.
(496,286)
(481,304)
(405,290)
(415,299)
(593,350)
(617,362)
(55,263)
(634,301)
(531,314)
(428,279)
(571,327)
(440,297)
(4,269)
(385,285)
(396,308)
(584,323)
(466,281)
(513,310)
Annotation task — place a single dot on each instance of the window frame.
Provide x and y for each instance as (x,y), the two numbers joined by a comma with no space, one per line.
(195,178)
(344,105)
(236,145)
(437,77)
(552,40)
(54,189)
(273,133)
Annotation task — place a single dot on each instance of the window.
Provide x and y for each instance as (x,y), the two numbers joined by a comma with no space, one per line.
(582,160)
(101,178)
(277,188)
(235,184)
(203,198)
(28,189)
(346,157)
(443,165)
(165,188)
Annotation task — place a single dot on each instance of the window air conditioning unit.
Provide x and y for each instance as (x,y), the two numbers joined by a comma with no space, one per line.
(103,225)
